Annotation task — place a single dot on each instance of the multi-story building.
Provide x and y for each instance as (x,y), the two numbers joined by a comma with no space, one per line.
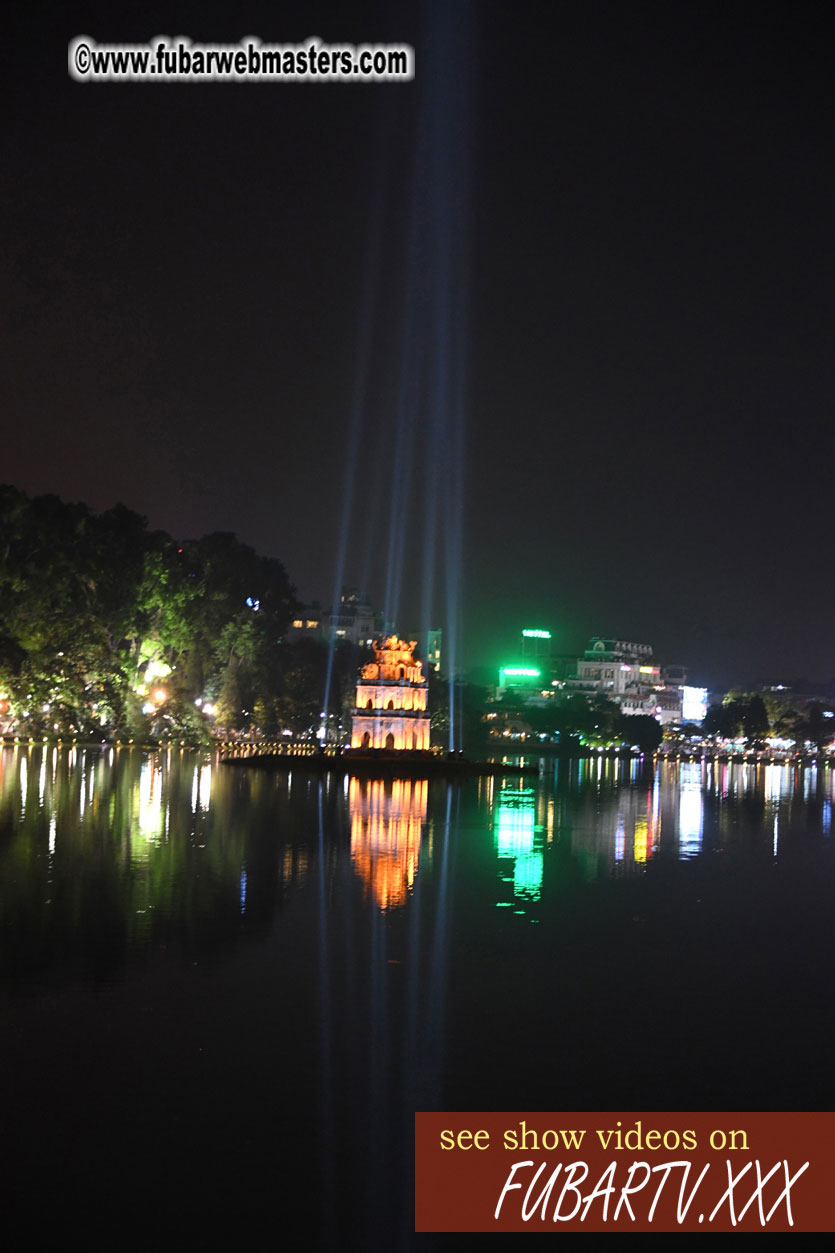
(535,646)
(530,678)
(353,620)
(433,647)
(309,623)
(612,667)
(623,672)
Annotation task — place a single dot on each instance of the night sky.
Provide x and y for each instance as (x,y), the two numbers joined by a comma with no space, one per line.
(211,291)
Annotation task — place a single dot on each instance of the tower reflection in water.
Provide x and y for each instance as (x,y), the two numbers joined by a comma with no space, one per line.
(387,816)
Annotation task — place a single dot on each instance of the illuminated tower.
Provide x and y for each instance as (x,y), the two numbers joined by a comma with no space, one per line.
(391,708)
(536,648)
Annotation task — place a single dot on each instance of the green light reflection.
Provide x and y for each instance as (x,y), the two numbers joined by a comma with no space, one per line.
(519,852)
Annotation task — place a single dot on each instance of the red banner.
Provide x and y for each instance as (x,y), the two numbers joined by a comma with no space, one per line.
(624,1172)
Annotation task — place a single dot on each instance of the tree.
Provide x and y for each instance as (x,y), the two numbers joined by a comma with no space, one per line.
(755,722)
(470,704)
(813,726)
(741,713)
(98,611)
(575,716)
(723,720)
(301,672)
(243,605)
(641,729)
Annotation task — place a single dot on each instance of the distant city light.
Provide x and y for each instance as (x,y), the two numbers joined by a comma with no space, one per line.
(693,703)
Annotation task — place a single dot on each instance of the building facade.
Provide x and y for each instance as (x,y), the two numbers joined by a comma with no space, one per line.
(309,624)
(623,672)
(433,648)
(391,710)
(353,620)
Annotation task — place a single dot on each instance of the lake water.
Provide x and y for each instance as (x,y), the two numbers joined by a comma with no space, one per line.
(225,991)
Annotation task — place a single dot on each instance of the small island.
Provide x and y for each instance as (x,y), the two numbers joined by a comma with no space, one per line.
(389,727)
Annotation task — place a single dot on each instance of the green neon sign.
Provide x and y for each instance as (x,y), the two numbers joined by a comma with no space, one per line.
(520,672)
(536,635)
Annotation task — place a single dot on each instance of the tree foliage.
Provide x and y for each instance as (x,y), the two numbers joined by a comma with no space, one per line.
(102,616)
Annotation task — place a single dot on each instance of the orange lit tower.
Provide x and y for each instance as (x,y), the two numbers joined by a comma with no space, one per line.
(391,708)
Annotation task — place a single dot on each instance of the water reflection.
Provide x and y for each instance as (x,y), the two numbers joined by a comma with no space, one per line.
(690,809)
(166,844)
(104,855)
(338,944)
(519,853)
(387,817)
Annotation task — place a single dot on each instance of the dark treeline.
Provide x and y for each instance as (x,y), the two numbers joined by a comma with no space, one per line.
(109,628)
(572,720)
(756,715)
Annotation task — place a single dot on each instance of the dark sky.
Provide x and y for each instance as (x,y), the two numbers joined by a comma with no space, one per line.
(210,291)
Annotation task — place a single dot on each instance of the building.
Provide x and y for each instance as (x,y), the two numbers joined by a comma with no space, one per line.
(623,672)
(391,710)
(353,620)
(611,668)
(433,642)
(530,678)
(309,624)
(535,646)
